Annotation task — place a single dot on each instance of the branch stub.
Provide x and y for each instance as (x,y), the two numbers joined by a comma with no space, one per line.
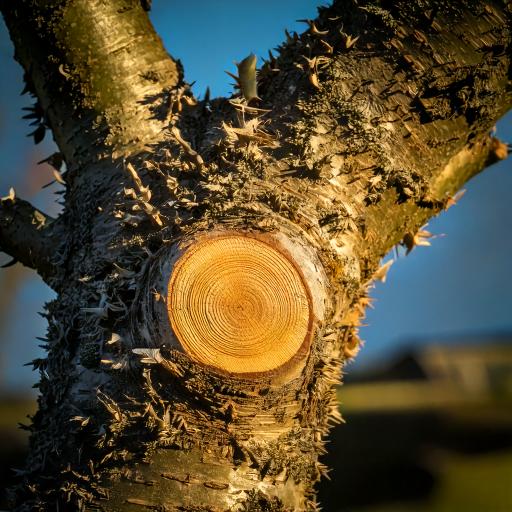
(239,304)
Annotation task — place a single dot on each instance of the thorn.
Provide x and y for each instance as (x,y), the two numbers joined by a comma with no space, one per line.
(247,78)
(499,150)
(348,40)
(33,115)
(38,134)
(313,29)
(313,80)
(193,155)
(149,355)
(289,38)
(189,100)
(55,160)
(58,177)
(114,338)
(328,48)
(271,58)
(381,273)
(420,238)
(243,107)
(206,98)
(452,201)
(9,197)
(63,72)
(311,62)
(232,76)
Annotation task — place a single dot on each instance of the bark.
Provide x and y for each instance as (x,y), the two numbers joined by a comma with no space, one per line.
(99,71)
(29,236)
(366,126)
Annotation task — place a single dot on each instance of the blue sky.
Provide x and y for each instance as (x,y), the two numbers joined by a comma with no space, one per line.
(459,286)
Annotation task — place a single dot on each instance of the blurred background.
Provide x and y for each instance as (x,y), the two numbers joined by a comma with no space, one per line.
(428,401)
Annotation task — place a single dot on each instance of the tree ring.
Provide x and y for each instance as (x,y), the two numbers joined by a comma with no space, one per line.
(238,304)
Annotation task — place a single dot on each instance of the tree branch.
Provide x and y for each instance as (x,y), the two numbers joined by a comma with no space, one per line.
(99,70)
(401,218)
(385,111)
(29,236)
(380,115)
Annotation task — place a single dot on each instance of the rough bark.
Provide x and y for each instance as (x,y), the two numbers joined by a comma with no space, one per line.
(99,71)
(351,147)
(29,236)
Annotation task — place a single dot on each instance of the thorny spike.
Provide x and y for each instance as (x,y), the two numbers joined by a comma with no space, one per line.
(9,197)
(56,160)
(149,355)
(193,155)
(381,273)
(271,59)
(246,79)
(207,93)
(411,240)
(243,107)
(328,48)
(311,62)
(251,132)
(348,40)
(289,38)
(451,201)
(313,80)
(311,68)
(313,29)
(141,196)
(58,177)
(38,134)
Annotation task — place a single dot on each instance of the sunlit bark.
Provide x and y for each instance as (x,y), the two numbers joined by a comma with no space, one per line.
(364,127)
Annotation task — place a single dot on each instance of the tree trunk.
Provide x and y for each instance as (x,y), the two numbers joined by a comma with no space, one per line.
(213,258)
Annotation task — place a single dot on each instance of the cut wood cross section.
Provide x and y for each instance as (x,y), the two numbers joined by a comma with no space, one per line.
(239,304)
